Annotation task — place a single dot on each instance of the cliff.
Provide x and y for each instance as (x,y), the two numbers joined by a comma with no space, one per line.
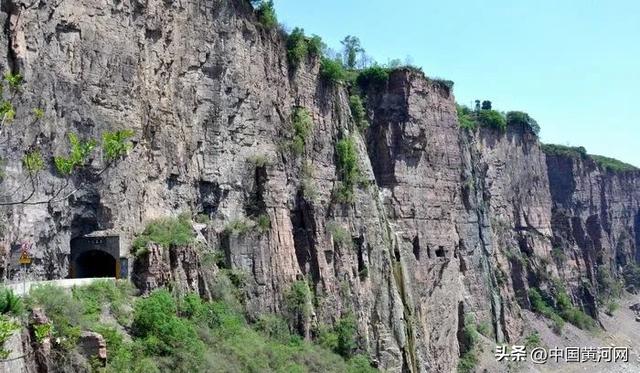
(445,223)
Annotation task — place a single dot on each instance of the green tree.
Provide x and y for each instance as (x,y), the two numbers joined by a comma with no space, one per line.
(486,105)
(352,47)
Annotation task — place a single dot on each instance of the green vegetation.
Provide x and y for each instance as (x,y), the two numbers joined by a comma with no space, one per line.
(298,303)
(492,119)
(259,160)
(556,305)
(567,151)
(466,118)
(358,112)
(13,80)
(79,153)
(263,223)
(116,144)
(10,303)
(302,129)
(7,328)
(238,226)
(33,162)
(300,47)
(520,118)
(340,234)
(341,338)
(468,359)
(184,333)
(612,165)
(485,329)
(309,188)
(558,256)
(533,340)
(266,13)
(38,113)
(539,305)
(606,163)
(631,275)
(374,77)
(352,48)
(7,111)
(332,70)
(165,232)
(348,169)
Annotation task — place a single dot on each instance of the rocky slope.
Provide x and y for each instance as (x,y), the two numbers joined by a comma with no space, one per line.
(446,224)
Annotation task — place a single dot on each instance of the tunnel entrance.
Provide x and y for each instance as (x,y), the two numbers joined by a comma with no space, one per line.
(95,257)
(95,263)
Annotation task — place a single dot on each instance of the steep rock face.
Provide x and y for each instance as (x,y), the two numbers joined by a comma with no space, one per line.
(595,222)
(446,224)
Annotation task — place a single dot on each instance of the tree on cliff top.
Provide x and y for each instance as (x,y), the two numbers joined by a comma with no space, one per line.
(352,47)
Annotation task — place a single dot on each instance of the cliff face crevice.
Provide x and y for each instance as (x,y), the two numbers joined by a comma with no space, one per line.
(446,224)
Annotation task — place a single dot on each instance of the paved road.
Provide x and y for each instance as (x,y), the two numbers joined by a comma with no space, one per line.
(21,289)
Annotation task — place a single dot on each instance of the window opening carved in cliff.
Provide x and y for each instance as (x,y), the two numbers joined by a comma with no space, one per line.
(95,257)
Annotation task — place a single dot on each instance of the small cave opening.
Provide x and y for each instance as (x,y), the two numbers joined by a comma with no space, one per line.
(416,247)
(441,252)
(95,257)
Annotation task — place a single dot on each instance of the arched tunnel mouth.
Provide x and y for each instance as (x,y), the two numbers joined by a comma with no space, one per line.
(94,263)
(94,257)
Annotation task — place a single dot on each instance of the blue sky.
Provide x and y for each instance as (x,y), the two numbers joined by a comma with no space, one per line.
(574,65)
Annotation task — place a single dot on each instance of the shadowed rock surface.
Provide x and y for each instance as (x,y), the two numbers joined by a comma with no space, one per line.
(446,223)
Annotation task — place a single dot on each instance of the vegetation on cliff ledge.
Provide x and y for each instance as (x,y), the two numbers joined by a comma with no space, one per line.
(579,152)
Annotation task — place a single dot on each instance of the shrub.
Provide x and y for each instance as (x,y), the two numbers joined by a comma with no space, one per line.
(360,364)
(348,169)
(485,329)
(7,112)
(104,293)
(532,340)
(358,112)
(467,362)
(238,226)
(611,307)
(10,303)
(42,331)
(302,129)
(7,328)
(612,164)
(297,47)
(567,151)
(266,13)
(309,189)
(346,330)
(38,113)
(116,144)
(374,77)
(259,160)
(65,313)
(33,162)
(315,45)
(558,255)
(163,333)
(340,235)
(332,70)
(165,232)
(79,153)
(631,275)
(263,223)
(492,119)
(465,117)
(298,299)
(14,80)
(519,118)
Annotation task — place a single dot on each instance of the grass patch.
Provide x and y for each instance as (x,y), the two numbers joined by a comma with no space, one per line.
(340,234)
(302,130)
(165,232)
(348,169)
(613,165)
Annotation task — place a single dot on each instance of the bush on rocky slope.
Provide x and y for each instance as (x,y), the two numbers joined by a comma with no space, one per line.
(165,232)
(184,334)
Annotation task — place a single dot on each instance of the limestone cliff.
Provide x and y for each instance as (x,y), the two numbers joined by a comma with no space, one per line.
(444,224)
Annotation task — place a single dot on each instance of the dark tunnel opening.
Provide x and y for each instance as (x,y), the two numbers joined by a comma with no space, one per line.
(94,263)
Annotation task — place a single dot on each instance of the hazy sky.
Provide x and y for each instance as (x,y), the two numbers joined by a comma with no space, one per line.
(574,65)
